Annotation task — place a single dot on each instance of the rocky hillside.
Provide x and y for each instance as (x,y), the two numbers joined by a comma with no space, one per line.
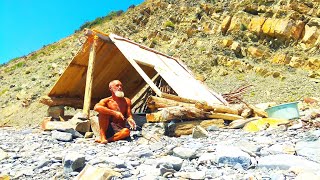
(270,44)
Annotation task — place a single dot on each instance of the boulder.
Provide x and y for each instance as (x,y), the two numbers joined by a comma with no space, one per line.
(227,42)
(256,24)
(310,35)
(313,63)
(299,7)
(239,21)
(297,29)
(236,47)
(283,28)
(269,26)
(225,24)
(297,62)
(255,52)
(281,59)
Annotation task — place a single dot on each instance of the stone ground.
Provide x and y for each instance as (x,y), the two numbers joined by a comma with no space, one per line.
(226,154)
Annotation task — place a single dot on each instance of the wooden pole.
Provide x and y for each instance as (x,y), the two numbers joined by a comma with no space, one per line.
(89,80)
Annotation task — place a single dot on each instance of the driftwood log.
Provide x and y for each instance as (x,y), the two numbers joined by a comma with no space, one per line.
(216,108)
(225,116)
(155,103)
(72,102)
(177,112)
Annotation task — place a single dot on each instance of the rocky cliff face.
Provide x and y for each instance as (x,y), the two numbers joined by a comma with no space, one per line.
(271,44)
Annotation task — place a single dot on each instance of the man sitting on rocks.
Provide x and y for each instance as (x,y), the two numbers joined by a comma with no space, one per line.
(114,112)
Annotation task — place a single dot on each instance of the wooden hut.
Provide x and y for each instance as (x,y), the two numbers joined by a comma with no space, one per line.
(105,57)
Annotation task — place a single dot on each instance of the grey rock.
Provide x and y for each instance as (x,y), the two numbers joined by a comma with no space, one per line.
(309,149)
(287,148)
(166,168)
(287,161)
(199,132)
(207,157)
(119,163)
(148,170)
(43,163)
(73,161)
(316,133)
(62,136)
(212,128)
(3,155)
(231,155)
(191,175)
(248,146)
(75,134)
(277,176)
(175,161)
(184,153)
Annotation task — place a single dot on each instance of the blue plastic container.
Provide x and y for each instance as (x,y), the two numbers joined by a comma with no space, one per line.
(284,111)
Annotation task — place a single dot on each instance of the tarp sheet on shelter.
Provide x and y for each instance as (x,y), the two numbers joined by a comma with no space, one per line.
(131,63)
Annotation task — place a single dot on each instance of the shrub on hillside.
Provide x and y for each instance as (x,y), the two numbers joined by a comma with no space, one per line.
(100,20)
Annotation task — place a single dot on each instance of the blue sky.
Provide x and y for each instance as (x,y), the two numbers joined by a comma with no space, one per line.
(27,25)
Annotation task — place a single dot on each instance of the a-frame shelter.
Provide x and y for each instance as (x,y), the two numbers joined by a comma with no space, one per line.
(106,57)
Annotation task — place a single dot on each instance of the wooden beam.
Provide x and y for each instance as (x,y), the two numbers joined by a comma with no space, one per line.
(89,80)
(89,32)
(71,102)
(145,76)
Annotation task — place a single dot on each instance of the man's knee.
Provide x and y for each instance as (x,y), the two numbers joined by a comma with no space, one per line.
(126,132)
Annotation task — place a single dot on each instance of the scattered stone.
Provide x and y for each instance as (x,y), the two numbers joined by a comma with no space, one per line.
(307,175)
(191,175)
(3,154)
(61,136)
(88,135)
(231,155)
(55,111)
(309,149)
(286,161)
(199,132)
(91,172)
(175,161)
(184,153)
(73,162)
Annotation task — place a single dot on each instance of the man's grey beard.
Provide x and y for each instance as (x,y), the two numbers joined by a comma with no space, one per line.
(119,94)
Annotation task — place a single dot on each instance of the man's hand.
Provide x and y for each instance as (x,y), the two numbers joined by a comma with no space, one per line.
(119,115)
(132,124)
